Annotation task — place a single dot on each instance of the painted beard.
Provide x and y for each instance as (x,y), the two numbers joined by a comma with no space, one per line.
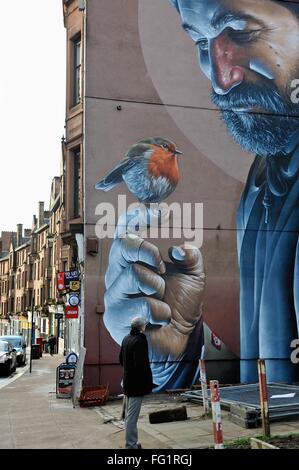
(258,118)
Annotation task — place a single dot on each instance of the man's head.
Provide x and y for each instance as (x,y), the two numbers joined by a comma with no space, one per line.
(138,324)
(249,51)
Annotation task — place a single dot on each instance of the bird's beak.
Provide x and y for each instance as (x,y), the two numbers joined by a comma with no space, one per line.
(178,152)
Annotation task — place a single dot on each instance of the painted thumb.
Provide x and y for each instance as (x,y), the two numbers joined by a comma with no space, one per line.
(185,255)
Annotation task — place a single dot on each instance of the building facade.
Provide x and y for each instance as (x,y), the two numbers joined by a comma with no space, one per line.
(29,263)
(113,102)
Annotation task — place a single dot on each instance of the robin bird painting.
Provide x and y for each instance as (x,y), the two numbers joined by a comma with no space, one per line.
(149,169)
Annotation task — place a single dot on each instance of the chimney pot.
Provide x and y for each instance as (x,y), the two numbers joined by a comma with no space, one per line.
(19,234)
(41,215)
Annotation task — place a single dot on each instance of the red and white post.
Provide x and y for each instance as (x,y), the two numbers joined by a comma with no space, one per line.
(264,396)
(216,411)
(204,386)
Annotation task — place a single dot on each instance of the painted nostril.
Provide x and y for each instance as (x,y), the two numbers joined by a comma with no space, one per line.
(220,91)
(237,75)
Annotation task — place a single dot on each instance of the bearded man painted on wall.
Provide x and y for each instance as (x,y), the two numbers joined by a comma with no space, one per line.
(248,49)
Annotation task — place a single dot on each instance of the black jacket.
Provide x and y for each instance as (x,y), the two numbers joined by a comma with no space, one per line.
(138,379)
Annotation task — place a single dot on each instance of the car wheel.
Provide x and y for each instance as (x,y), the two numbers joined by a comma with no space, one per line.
(7,369)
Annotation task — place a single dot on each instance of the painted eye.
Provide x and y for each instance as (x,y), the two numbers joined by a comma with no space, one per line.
(202,44)
(243,37)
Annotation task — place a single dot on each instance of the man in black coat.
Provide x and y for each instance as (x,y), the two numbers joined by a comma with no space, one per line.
(138,380)
(52,344)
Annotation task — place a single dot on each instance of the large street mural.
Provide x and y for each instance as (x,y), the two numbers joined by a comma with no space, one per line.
(248,49)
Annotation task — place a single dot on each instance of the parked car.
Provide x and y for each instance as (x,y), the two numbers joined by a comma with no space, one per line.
(8,357)
(19,345)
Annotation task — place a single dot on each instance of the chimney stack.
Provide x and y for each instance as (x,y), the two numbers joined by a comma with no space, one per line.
(41,211)
(27,232)
(19,234)
(34,223)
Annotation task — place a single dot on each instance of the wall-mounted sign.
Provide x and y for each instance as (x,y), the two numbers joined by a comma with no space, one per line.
(75,286)
(74,300)
(71,358)
(71,276)
(60,281)
(71,312)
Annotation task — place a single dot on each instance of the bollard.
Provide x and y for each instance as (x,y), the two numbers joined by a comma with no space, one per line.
(216,411)
(264,396)
(204,386)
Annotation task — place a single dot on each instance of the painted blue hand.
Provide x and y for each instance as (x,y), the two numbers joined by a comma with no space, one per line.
(167,294)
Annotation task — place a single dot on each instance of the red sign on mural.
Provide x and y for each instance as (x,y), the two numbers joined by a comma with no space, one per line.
(71,312)
(216,342)
(60,281)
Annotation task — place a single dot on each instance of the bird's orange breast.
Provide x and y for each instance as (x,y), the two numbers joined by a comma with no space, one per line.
(163,163)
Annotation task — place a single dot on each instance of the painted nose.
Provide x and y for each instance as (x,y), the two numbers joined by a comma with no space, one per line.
(225,56)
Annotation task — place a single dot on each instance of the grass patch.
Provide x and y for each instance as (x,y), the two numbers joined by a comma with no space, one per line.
(240,443)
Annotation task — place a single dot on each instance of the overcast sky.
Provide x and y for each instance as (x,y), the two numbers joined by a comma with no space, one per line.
(32,98)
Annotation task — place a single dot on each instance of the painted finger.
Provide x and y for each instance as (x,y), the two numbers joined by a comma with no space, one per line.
(137,279)
(132,249)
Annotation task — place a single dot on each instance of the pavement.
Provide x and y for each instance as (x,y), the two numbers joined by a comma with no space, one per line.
(32,417)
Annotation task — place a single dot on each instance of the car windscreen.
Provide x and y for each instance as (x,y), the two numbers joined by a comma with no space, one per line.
(16,342)
(3,346)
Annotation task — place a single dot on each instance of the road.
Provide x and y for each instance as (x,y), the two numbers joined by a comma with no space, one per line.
(20,370)
(4,381)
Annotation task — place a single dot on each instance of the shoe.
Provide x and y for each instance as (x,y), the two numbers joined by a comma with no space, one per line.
(139,446)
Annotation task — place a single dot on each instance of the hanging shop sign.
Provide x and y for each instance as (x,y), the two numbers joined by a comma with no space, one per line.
(75,286)
(74,300)
(71,358)
(60,281)
(71,312)
(70,276)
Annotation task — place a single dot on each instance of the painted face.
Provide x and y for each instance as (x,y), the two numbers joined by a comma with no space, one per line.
(249,51)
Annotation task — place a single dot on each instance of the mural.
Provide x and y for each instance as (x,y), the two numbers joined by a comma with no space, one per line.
(248,50)
(139,282)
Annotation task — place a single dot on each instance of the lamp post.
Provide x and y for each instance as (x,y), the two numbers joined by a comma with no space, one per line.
(32,329)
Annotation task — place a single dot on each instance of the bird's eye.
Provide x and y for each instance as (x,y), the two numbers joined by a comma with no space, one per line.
(165,146)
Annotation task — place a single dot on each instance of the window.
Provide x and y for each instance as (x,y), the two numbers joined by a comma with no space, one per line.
(77,182)
(77,70)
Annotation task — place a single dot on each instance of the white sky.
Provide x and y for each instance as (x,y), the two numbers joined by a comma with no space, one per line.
(32,104)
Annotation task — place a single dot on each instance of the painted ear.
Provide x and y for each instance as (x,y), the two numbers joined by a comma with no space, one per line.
(175,4)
